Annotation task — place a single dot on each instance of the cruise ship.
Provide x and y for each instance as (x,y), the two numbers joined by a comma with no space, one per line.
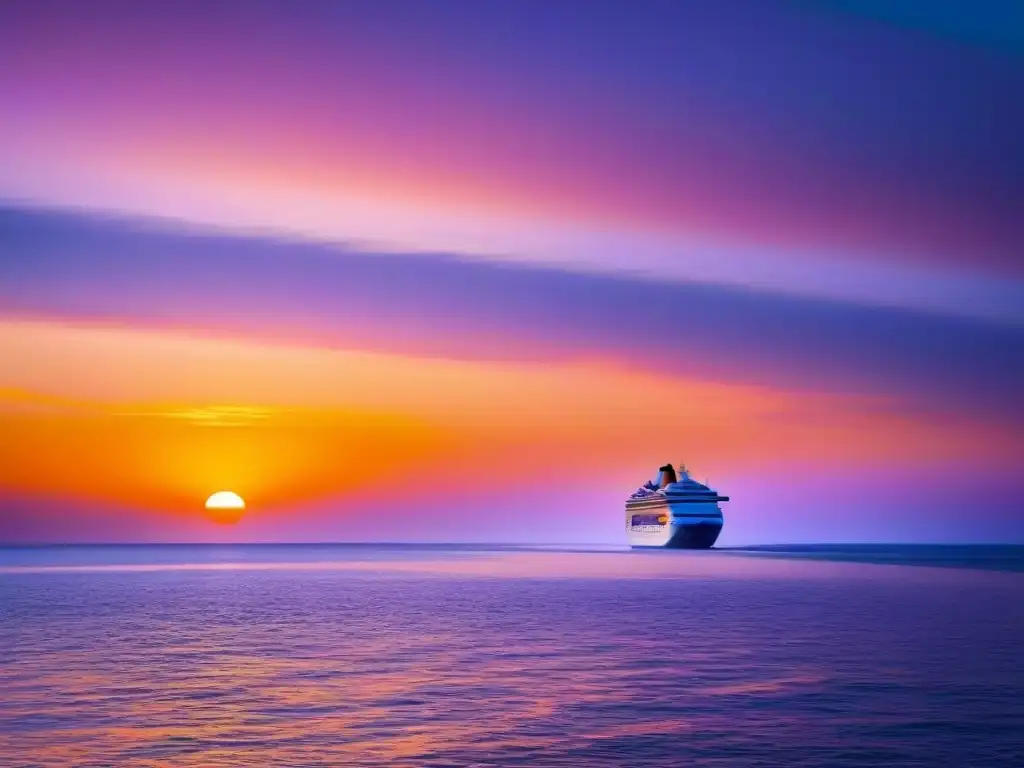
(673,512)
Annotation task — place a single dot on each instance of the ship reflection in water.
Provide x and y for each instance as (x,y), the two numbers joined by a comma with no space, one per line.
(359,656)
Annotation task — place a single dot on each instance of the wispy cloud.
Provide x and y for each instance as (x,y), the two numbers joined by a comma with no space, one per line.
(87,270)
(210,416)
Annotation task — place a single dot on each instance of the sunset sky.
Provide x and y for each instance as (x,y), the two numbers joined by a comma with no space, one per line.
(471,271)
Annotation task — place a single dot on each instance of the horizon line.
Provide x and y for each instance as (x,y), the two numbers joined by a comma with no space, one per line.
(734,547)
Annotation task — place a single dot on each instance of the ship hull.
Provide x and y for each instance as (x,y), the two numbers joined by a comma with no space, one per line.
(673,525)
(698,536)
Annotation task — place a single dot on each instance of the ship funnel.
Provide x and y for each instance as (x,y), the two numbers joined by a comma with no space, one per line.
(667,475)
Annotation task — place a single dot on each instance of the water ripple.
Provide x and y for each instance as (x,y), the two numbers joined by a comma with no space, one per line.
(351,667)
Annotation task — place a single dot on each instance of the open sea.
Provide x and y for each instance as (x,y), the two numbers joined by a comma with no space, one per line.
(360,655)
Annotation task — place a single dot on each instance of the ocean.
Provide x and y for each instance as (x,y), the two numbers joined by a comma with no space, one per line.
(365,655)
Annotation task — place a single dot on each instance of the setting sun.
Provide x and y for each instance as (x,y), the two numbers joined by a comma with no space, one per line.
(225,506)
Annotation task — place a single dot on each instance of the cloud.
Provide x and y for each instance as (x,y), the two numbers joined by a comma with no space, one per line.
(84,269)
(772,125)
(212,415)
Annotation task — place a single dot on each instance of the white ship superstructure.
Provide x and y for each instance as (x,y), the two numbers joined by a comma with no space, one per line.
(674,512)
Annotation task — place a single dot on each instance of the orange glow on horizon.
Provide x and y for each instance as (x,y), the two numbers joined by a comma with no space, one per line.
(153,420)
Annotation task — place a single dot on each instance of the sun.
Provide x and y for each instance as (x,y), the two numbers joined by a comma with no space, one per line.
(225,507)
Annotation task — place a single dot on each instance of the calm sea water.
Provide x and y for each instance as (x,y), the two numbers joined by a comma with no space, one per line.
(433,656)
